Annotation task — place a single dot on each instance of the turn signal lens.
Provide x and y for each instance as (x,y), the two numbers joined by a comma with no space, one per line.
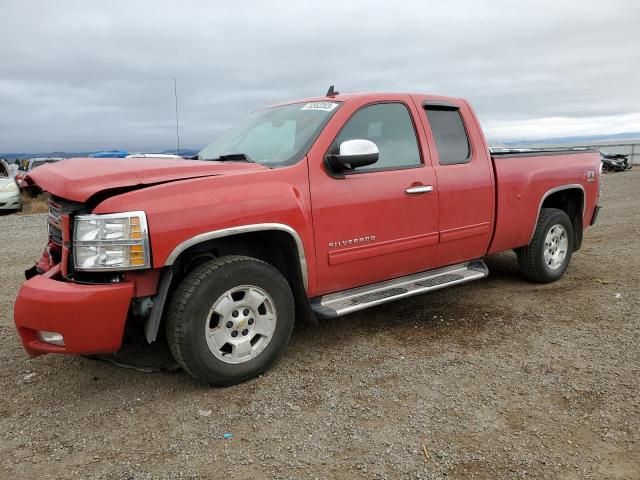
(136,255)
(135,230)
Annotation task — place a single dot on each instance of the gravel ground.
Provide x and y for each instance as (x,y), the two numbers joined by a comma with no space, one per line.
(498,379)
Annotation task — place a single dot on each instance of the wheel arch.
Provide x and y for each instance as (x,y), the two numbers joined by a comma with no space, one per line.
(205,240)
(572,200)
(275,243)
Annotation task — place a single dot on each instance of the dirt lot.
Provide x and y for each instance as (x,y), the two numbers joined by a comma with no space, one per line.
(499,379)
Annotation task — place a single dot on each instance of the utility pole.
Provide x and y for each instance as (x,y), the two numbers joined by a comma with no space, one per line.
(175,92)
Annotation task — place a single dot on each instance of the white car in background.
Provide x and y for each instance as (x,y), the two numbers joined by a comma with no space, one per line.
(9,192)
(30,165)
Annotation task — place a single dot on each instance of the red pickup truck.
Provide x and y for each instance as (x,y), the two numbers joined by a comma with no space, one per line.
(312,208)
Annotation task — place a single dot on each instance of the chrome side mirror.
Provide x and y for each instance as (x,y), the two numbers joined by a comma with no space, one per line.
(353,154)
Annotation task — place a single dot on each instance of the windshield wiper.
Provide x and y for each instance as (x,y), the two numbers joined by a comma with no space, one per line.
(237,157)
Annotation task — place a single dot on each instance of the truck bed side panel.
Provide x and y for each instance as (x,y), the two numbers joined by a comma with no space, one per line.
(523,181)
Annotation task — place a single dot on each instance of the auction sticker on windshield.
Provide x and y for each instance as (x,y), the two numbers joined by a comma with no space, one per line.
(323,106)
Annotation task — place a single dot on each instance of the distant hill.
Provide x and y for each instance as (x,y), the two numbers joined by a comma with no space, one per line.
(574,140)
(577,140)
(20,156)
(185,152)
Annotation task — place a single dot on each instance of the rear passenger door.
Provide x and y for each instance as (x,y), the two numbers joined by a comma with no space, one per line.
(465,181)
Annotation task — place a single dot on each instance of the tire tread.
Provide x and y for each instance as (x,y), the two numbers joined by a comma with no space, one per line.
(177,325)
(528,257)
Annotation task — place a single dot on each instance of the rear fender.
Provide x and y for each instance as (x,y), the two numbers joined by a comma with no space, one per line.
(572,200)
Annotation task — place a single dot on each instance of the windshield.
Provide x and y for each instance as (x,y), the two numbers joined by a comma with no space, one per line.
(274,136)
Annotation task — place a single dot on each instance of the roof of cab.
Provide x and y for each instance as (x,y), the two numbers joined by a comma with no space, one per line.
(373,96)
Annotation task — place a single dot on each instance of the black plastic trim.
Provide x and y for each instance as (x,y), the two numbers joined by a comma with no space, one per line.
(439,105)
(339,162)
(31,272)
(152,324)
(596,212)
(382,169)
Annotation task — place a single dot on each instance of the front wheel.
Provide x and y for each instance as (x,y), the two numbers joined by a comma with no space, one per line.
(548,255)
(230,319)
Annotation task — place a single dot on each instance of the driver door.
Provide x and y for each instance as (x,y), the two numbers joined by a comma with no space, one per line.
(379,221)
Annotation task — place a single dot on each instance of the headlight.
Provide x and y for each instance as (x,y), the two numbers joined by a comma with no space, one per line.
(10,187)
(118,241)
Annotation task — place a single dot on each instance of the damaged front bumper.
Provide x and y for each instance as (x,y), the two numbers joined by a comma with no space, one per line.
(55,316)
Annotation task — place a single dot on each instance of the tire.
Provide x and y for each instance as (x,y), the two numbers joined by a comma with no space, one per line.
(536,261)
(217,294)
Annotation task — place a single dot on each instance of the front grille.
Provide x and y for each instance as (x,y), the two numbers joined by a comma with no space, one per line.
(55,234)
(53,221)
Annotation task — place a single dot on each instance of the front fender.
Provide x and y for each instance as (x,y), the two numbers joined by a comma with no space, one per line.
(186,212)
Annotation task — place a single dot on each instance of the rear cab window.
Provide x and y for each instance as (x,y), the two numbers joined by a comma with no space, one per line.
(452,141)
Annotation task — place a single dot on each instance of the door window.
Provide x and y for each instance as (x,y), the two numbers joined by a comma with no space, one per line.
(389,126)
(452,142)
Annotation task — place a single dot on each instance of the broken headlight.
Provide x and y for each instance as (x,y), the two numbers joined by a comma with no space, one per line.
(118,241)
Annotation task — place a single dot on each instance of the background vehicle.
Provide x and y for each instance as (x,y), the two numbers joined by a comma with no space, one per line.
(615,162)
(314,208)
(8,169)
(28,167)
(14,168)
(110,154)
(9,191)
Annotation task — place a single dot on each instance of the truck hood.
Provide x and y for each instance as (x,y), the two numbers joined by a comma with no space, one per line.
(78,179)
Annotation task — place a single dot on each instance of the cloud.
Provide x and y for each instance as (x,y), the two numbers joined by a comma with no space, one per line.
(86,75)
(551,127)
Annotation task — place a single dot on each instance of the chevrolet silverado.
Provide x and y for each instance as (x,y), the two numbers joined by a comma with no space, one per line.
(308,209)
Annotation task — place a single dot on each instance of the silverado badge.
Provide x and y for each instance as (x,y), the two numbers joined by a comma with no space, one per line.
(352,241)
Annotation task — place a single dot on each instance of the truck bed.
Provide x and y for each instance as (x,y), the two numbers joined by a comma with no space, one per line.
(524,179)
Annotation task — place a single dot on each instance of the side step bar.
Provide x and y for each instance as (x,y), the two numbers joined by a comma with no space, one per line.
(340,303)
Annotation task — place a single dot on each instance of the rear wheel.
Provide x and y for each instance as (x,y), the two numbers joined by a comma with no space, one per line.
(548,255)
(230,319)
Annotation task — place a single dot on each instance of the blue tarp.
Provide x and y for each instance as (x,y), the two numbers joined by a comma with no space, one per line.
(110,154)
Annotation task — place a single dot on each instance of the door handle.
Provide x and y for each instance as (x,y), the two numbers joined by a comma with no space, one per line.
(419,189)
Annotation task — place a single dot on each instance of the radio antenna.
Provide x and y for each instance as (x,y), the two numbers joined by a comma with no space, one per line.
(175,93)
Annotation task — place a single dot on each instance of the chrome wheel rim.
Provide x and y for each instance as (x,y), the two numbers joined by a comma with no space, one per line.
(556,244)
(240,324)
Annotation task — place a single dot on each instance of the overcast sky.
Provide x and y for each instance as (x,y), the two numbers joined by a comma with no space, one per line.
(90,75)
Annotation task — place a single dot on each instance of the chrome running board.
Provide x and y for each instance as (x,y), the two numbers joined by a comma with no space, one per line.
(348,301)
